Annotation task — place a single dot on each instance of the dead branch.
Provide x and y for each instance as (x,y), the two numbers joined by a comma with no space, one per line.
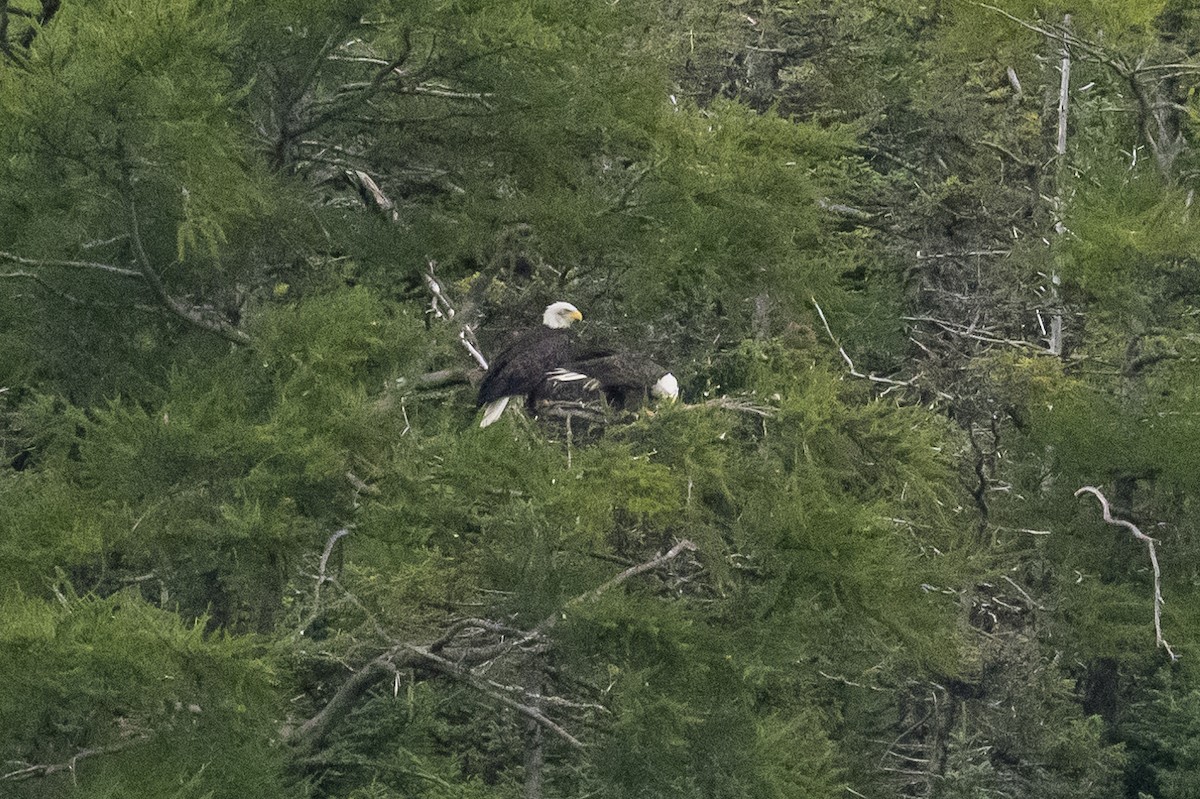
(321,579)
(572,409)
(848,211)
(361,485)
(348,101)
(1139,535)
(741,406)
(194,316)
(591,596)
(472,625)
(55,262)
(23,275)
(457,661)
(441,308)
(446,377)
(439,304)
(313,731)
(480,654)
(1162,135)
(30,770)
(925,256)
(854,372)
(968,331)
(467,337)
(452,669)
(368,187)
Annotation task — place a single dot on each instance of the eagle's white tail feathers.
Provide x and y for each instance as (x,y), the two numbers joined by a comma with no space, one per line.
(667,387)
(565,375)
(492,411)
(561,375)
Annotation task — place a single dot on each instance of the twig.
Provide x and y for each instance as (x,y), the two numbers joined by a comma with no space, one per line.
(438,301)
(467,337)
(452,669)
(742,406)
(440,307)
(591,596)
(21,274)
(854,372)
(321,577)
(30,770)
(1024,593)
(189,314)
(116,270)
(569,409)
(926,256)
(968,332)
(309,734)
(1138,534)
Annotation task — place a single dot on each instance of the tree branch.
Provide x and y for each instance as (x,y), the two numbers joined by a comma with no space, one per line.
(440,307)
(966,331)
(406,655)
(854,372)
(1138,534)
(71,298)
(188,313)
(548,623)
(351,100)
(116,270)
(312,732)
(452,669)
(321,579)
(31,770)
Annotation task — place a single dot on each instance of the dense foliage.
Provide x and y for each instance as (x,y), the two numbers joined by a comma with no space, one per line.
(923,270)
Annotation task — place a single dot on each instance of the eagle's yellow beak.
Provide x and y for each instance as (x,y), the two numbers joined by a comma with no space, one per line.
(576,315)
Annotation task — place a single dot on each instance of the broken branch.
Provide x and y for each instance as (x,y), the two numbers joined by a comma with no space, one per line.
(1139,535)
(854,372)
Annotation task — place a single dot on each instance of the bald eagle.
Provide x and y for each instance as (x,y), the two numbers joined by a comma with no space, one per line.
(522,367)
(626,379)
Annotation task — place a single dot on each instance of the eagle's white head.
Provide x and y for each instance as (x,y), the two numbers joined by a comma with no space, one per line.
(667,387)
(560,315)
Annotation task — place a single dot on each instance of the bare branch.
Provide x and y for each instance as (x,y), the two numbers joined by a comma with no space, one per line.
(310,734)
(848,211)
(20,274)
(441,308)
(406,655)
(633,571)
(1138,534)
(321,580)
(368,186)
(854,372)
(742,406)
(31,770)
(116,270)
(351,100)
(439,304)
(452,669)
(968,331)
(190,314)
(467,337)
(925,256)
(443,377)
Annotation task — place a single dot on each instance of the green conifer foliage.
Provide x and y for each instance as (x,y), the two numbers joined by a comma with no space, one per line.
(253,542)
(113,697)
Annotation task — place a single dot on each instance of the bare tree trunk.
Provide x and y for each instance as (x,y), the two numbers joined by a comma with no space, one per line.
(535,756)
(1064,92)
